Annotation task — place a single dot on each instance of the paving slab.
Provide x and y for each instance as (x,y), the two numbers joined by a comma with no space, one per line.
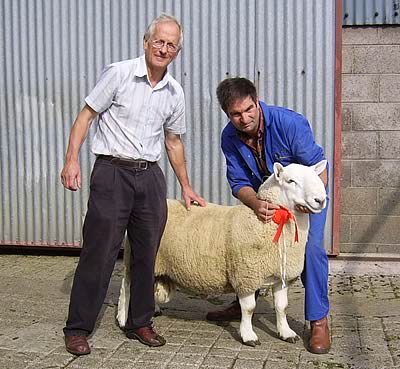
(364,321)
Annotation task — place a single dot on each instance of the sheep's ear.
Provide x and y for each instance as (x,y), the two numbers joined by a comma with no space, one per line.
(278,170)
(320,167)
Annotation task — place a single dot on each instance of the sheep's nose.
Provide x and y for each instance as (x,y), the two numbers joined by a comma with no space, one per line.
(319,201)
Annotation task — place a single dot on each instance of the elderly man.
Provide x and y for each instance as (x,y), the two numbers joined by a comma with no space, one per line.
(135,101)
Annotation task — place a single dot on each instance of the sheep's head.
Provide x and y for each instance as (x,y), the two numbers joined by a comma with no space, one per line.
(298,185)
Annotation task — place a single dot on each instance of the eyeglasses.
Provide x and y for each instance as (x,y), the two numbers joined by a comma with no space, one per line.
(158,44)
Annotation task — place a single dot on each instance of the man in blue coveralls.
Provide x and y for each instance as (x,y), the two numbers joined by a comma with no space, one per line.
(257,136)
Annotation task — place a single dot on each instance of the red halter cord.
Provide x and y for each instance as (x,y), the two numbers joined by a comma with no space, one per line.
(281,217)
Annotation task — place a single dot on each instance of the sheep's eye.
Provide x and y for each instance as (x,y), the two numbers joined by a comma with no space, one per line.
(291,181)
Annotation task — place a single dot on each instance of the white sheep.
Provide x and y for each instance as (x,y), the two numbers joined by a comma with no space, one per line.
(220,249)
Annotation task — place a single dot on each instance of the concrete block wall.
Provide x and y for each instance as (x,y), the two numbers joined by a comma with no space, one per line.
(370,183)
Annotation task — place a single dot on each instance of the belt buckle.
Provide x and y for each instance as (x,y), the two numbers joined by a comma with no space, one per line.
(143,165)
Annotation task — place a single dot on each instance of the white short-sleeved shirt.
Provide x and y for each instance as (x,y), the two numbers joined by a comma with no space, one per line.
(132,114)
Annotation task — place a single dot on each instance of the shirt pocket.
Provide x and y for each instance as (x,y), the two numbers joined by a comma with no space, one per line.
(283,156)
(159,112)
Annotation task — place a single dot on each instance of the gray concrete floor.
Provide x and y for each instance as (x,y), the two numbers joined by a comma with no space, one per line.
(34,293)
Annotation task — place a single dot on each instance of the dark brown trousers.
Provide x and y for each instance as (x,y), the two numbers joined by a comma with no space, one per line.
(121,199)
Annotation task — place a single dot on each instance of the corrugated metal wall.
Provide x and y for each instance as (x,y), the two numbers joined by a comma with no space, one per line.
(52,52)
(371,12)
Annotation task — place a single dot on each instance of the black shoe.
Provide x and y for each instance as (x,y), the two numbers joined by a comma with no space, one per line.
(232,312)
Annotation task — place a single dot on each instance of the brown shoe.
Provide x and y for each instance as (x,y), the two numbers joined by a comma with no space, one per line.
(232,312)
(320,341)
(77,345)
(146,335)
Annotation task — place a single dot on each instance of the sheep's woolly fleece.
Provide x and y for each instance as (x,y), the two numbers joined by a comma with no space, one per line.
(230,249)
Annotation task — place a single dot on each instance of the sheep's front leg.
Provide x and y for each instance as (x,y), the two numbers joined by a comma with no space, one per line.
(248,305)
(281,303)
(124,293)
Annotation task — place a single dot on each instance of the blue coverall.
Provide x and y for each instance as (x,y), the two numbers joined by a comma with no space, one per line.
(288,138)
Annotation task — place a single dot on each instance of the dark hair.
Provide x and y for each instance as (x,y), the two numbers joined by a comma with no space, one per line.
(232,89)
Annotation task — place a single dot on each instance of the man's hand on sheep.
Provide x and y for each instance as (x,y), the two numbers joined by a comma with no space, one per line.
(264,210)
(191,197)
(303,209)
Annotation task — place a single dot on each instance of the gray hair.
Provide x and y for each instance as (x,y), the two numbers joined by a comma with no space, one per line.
(163,17)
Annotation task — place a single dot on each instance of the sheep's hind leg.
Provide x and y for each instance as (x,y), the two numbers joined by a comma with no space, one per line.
(281,303)
(124,293)
(248,305)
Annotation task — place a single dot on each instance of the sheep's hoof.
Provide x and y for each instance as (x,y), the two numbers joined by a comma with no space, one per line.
(291,339)
(252,343)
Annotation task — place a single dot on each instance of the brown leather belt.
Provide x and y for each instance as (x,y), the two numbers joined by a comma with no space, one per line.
(134,163)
